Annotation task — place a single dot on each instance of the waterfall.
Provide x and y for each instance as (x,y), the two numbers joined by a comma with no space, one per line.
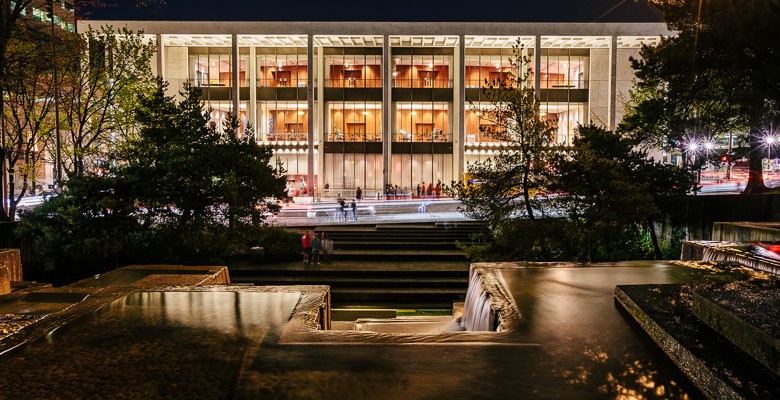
(478,315)
(755,258)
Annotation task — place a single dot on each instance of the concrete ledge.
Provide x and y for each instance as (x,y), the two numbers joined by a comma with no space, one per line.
(746,231)
(754,341)
(11,259)
(712,385)
(5,280)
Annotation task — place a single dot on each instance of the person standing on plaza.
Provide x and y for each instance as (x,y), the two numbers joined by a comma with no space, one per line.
(418,190)
(359,193)
(306,244)
(343,210)
(429,191)
(316,249)
(353,206)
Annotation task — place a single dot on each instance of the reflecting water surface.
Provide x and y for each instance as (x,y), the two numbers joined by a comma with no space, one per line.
(586,338)
(572,343)
(148,345)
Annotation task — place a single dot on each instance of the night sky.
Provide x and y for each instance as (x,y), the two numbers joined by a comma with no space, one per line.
(383,10)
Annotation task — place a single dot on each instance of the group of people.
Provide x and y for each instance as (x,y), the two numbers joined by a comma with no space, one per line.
(343,211)
(430,190)
(316,248)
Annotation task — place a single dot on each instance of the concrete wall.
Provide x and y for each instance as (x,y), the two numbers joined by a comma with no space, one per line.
(598,94)
(625,80)
(176,68)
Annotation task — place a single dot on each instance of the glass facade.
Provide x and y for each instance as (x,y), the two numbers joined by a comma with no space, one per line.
(282,121)
(566,116)
(420,70)
(564,68)
(349,121)
(212,66)
(346,69)
(282,67)
(349,115)
(484,66)
(422,122)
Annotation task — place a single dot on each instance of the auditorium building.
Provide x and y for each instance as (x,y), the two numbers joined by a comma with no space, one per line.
(367,104)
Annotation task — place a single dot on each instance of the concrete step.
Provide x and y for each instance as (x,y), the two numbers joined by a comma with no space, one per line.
(394,245)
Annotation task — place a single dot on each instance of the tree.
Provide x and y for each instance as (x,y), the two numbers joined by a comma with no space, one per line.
(506,185)
(612,191)
(27,122)
(717,75)
(100,93)
(180,188)
(190,174)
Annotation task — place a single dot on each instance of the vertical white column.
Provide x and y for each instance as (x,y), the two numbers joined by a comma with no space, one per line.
(459,108)
(310,99)
(252,107)
(234,73)
(538,65)
(612,81)
(320,128)
(160,56)
(387,137)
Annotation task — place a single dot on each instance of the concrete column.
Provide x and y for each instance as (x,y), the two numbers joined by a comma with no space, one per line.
(612,82)
(234,73)
(251,112)
(320,128)
(538,65)
(387,136)
(310,99)
(459,108)
(160,56)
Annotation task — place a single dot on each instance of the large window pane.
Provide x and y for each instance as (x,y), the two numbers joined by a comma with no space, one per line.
(354,122)
(422,122)
(283,121)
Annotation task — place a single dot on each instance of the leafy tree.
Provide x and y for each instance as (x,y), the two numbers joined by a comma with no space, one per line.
(100,93)
(509,182)
(28,120)
(180,189)
(612,190)
(715,76)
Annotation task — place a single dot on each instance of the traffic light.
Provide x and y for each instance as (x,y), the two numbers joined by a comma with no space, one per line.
(725,158)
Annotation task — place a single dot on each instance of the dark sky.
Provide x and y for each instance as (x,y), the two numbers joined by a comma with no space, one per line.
(384,10)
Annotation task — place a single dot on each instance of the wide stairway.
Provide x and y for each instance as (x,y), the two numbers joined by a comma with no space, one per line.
(384,266)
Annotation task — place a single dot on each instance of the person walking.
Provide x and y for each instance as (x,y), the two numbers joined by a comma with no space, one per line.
(353,206)
(359,193)
(342,210)
(316,249)
(418,190)
(306,244)
(327,247)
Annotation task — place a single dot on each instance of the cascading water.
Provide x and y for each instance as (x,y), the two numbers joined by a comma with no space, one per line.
(478,315)
(756,257)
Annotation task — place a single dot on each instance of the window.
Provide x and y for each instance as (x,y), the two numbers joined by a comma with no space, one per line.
(282,67)
(212,66)
(353,67)
(283,121)
(567,116)
(354,121)
(564,68)
(422,122)
(478,127)
(491,65)
(422,68)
